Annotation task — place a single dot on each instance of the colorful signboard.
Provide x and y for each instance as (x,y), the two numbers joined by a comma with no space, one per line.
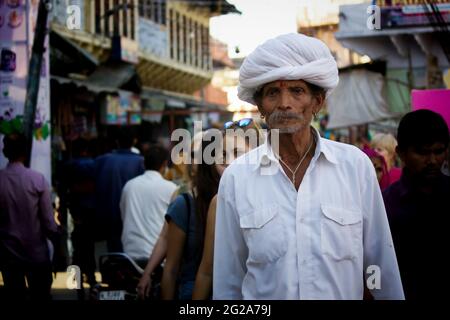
(116,108)
(437,100)
(17,26)
(397,14)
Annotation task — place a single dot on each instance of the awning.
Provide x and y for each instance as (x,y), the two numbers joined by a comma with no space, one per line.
(112,74)
(390,44)
(69,55)
(81,83)
(216,6)
(358,99)
(151,99)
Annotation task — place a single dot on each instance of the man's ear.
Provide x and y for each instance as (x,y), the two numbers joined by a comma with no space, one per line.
(260,110)
(164,166)
(320,101)
(317,107)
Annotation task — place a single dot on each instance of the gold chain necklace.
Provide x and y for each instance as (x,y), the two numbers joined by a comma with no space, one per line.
(298,166)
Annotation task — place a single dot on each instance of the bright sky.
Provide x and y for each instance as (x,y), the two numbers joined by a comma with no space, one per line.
(260,20)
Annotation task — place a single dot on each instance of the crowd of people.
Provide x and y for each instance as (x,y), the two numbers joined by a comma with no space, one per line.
(296,216)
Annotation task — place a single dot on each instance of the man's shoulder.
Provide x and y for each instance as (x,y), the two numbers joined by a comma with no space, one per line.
(119,155)
(166,184)
(392,191)
(340,148)
(346,155)
(134,182)
(169,184)
(33,174)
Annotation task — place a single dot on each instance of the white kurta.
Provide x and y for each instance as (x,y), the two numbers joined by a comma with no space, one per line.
(272,242)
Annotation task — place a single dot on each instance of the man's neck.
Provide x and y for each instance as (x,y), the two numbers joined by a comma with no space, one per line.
(17,162)
(425,186)
(293,146)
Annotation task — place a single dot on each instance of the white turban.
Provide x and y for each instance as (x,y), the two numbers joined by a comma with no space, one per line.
(292,56)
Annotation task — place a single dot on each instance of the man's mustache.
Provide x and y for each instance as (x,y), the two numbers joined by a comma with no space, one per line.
(284,115)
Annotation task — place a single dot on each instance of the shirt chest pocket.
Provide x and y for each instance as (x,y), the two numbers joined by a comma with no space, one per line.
(265,234)
(341,233)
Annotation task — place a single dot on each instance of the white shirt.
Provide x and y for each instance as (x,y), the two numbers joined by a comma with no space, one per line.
(272,242)
(143,204)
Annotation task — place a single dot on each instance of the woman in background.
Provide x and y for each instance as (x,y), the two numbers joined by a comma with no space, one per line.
(380,167)
(385,144)
(187,219)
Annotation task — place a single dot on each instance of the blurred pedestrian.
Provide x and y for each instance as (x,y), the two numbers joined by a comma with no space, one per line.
(143,204)
(112,171)
(26,225)
(186,218)
(379,163)
(300,217)
(234,148)
(80,182)
(149,284)
(417,205)
(385,144)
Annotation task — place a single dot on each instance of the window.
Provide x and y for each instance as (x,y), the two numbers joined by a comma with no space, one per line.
(171,34)
(185,34)
(154,10)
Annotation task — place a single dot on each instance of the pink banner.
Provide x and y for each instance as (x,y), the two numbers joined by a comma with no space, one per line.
(437,100)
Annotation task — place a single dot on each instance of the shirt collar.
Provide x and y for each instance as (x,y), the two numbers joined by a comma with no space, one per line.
(15,165)
(266,156)
(124,151)
(153,173)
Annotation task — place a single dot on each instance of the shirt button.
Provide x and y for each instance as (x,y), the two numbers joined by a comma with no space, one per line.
(265,161)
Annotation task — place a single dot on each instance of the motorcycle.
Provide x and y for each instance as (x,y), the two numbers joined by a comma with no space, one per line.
(120,277)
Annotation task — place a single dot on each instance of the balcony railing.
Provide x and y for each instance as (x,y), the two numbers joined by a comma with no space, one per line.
(112,18)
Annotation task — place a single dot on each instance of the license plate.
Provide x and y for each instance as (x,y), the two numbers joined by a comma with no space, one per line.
(112,295)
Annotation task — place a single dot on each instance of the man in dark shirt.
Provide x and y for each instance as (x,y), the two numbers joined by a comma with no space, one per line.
(26,225)
(80,188)
(418,205)
(112,172)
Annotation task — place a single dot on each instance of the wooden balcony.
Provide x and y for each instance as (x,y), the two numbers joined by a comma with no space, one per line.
(173,57)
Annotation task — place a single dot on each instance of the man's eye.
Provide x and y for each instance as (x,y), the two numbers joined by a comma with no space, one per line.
(439,151)
(297,90)
(423,152)
(271,92)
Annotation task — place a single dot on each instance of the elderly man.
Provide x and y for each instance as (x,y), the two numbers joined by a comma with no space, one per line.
(305,220)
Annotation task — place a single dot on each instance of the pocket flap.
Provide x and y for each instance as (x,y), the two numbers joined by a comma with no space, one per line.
(340,215)
(258,218)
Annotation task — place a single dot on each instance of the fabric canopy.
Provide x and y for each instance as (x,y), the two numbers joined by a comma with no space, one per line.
(358,99)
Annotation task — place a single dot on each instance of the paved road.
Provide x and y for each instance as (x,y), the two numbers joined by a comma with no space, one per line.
(59,288)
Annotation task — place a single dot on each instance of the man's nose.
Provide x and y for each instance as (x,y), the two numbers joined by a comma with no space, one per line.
(433,159)
(285,100)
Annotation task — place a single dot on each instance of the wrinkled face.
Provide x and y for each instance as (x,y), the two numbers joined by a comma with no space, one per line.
(424,162)
(288,105)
